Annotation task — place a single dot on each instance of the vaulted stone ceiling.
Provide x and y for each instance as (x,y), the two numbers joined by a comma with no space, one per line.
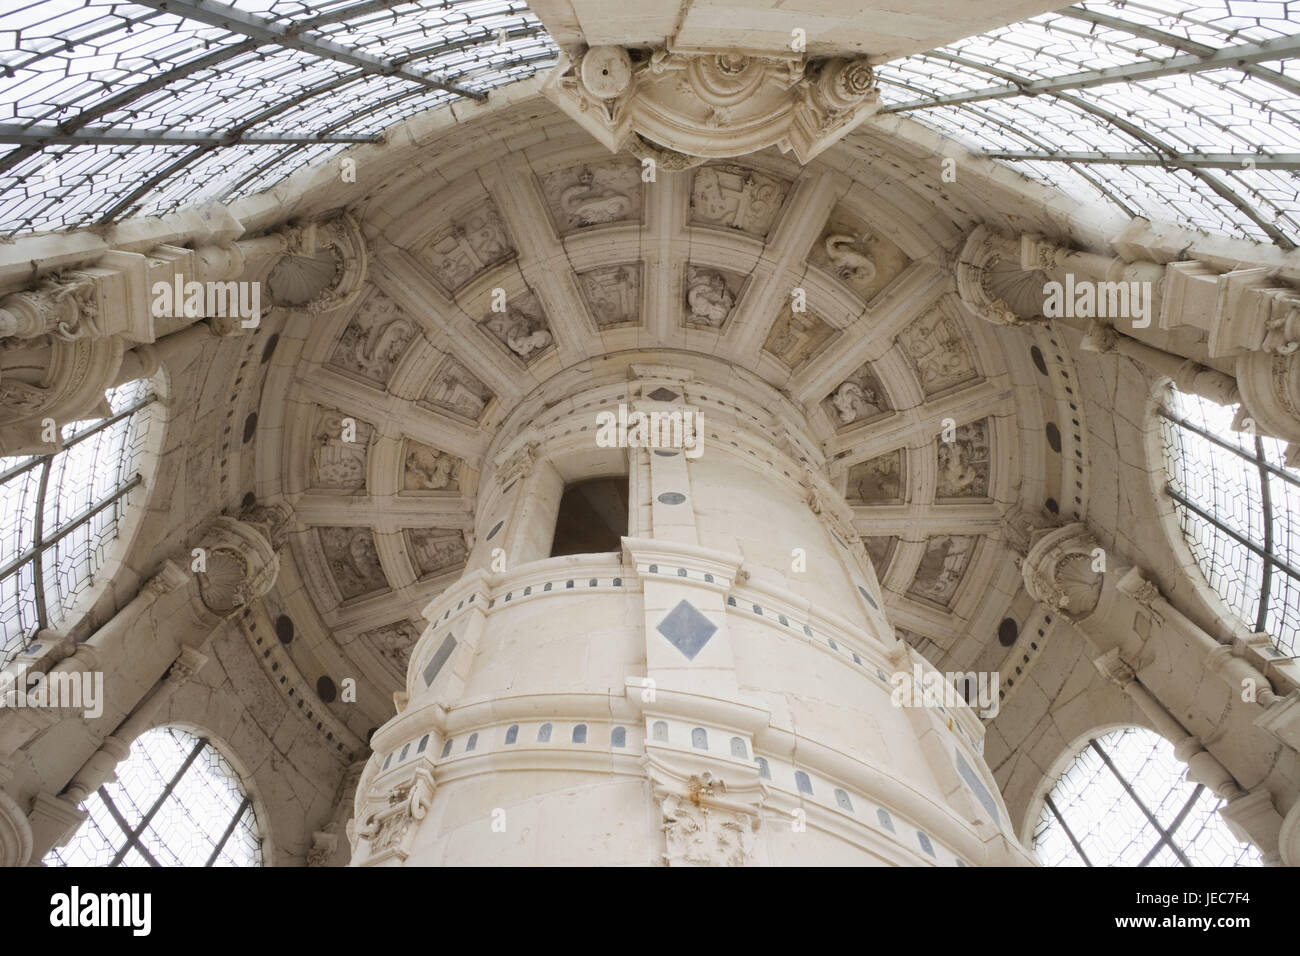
(593,261)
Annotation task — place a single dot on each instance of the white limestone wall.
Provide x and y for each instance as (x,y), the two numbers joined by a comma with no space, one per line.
(689,700)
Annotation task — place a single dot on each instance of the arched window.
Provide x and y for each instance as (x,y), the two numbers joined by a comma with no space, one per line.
(1239,507)
(176,802)
(1124,801)
(60,513)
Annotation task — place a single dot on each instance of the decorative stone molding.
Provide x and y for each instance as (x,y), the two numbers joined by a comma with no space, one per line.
(1270,392)
(712,105)
(241,566)
(1057,570)
(57,378)
(984,251)
(701,832)
(1282,720)
(387,824)
(323,845)
(1288,838)
(66,307)
(322,268)
(15,831)
(518,463)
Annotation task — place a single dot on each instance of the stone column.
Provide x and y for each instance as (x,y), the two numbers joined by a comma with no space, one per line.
(1248,321)
(696,697)
(176,608)
(1131,628)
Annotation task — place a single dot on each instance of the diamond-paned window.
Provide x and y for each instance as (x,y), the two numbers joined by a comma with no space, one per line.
(176,802)
(60,515)
(1125,801)
(1239,508)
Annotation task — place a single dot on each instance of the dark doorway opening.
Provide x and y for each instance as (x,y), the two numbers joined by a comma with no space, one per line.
(592,518)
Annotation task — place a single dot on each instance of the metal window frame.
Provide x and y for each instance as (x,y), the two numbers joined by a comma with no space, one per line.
(34,556)
(1165,834)
(1263,550)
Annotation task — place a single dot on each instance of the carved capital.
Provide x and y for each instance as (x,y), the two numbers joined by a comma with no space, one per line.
(387,825)
(63,306)
(1115,668)
(323,845)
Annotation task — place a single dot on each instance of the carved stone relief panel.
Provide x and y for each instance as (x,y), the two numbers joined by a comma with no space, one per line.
(964,463)
(941,569)
(880,550)
(858,399)
(613,295)
(710,297)
(338,451)
(435,550)
(428,469)
(522,327)
(474,242)
(375,339)
(877,480)
(353,560)
(593,194)
(455,389)
(938,351)
(697,834)
(797,336)
(737,197)
(857,255)
(393,642)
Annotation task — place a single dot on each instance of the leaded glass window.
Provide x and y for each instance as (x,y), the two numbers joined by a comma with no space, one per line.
(1125,801)
(60,515)
(176,802)
(1239,508)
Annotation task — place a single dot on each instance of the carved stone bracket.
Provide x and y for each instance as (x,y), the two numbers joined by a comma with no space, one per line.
(681,107)
(1058,570)
(387,825)
(241,566)
(323,265)
(985,253)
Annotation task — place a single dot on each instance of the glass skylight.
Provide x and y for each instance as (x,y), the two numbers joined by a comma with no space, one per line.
(1194,118)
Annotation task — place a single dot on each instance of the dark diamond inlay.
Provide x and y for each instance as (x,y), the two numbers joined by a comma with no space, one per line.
(662,394)
(687,629)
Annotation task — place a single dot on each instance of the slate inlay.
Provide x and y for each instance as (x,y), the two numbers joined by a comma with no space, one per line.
(672,498)
(975,783)
(440,658)
(687,629)
(662,394)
